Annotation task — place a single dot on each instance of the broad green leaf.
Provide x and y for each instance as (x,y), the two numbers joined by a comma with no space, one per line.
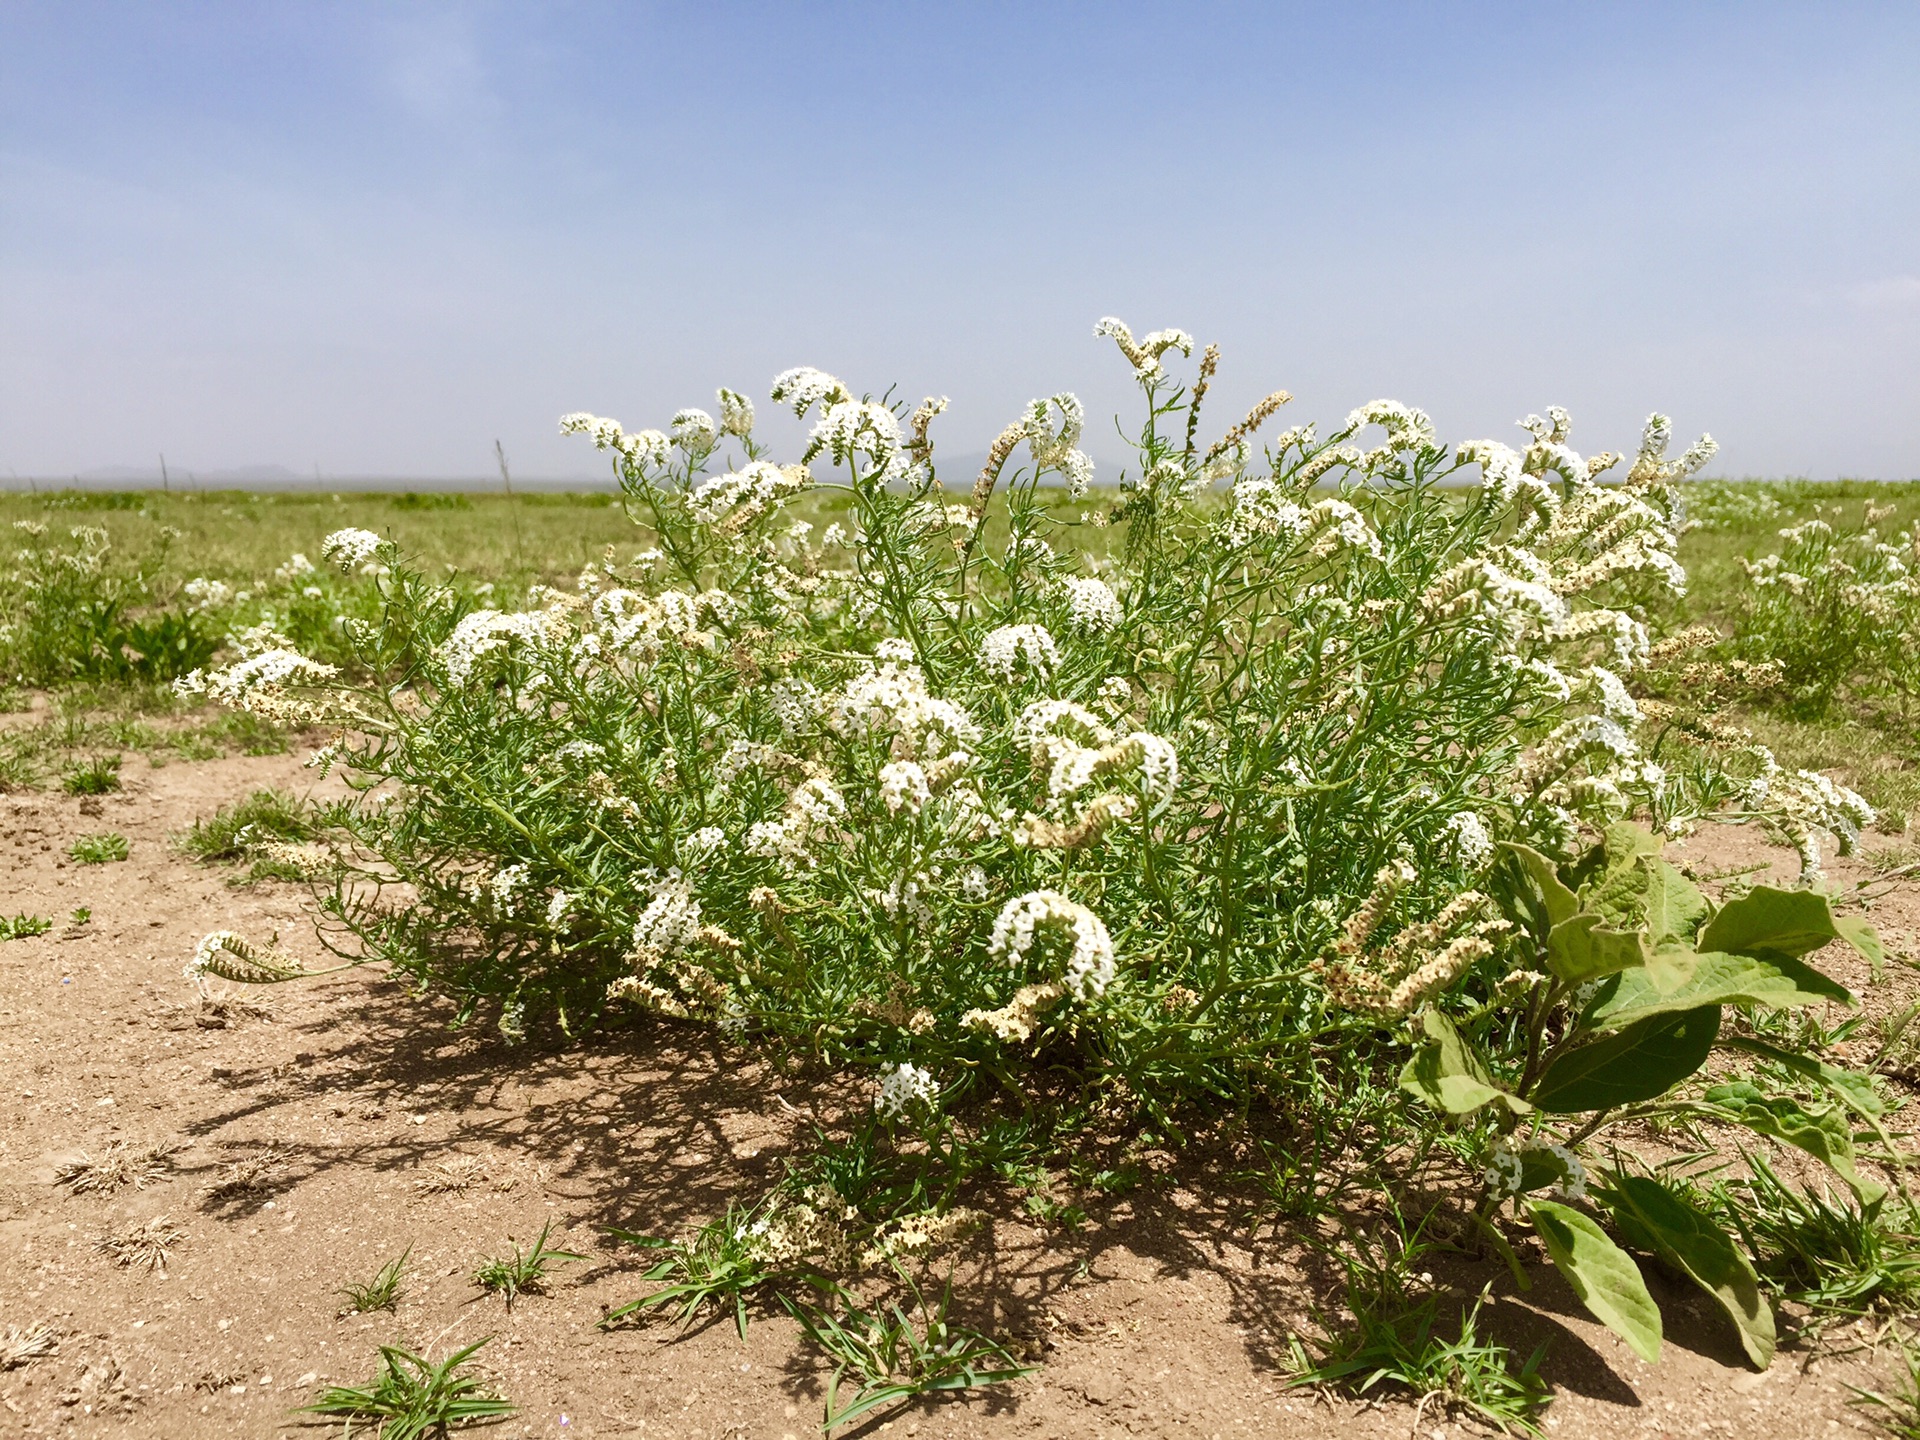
(1689,1241)
(1619,895)
(1601,1274)
(1860,935)
(1771,922)
(1681,980)
(1534,886)
(1449,1074)
(1675,906)
(1643,1061)
(1856,1091)
(1823,1134)
(1582,949)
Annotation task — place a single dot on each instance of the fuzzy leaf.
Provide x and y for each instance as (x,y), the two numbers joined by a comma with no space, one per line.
(1771,922)
(1860,935)
(1855,1091)
(1640,1062)
(1689,1241)
(1675,906)
(1601,1274)
(1582,949)
(1683,980)
(1449,1074)
(1823,1134)
(1532,885)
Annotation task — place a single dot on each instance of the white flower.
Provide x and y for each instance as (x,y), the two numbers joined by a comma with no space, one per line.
(903,1088)
(506,886)
(1471,844)
(1090,963)
(903,786)
(749,491)
(693,430)
(671,920)
(1407,428)
(736,413)
(557,907)
(350,548)
(485,631)
(1115,693)
(860,426)
(1004,650)
(1092,606)
(973,883)
(704,844)
(204,594)
(805,387)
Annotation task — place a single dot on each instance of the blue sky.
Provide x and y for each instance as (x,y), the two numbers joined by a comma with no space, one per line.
(374,238)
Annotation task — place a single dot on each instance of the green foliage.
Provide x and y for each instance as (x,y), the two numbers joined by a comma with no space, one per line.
(20,927)
(523,1272)
(884,1355)
(1397,1344)
(98,849)
(249,831)
(413,1398)
(1601,1274)
(722,1263)
(1830,1254)
(382,1292)
(1837,608)
(98,776)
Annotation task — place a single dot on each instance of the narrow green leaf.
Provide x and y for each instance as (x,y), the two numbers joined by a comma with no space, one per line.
(1675,906)
(1581,949)
(1856,1091)
(1690,1242)
(1771,922)
(1823,1134)
(1601,1274)
(1449,1074)
(1683,980)
(1640,1062)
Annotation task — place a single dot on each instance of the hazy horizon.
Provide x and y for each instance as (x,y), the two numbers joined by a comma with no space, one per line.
(370,240)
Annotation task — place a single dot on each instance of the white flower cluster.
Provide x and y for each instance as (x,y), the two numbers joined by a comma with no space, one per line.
(1090,962)
(204,594)
(350,548)
(1004,651)
(904,1089)
(1407,429)
(891,698)
(669,923)
(1056,447)
(1506,1168)
(1144,354)
(1092,607)
(643,450)
(486,631)
(903,786)
(693,431)
(747,492)
(1467,837)
(258,682)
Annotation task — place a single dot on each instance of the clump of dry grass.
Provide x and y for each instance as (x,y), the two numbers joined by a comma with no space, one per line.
(250,1175)
(20,1346)
(147,1243)
(451,1177)
(116,1167)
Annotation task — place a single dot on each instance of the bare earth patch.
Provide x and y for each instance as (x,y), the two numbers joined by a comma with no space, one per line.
(302,1144)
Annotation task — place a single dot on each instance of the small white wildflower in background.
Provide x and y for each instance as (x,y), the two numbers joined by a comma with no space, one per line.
(1004,650)
(204,594)
(350,548)
(1092,606)
(297,567)
(557,907)
(904,1088)
(506,886)
(704,844)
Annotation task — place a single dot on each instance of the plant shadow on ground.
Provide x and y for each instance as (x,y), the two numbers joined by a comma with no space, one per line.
(656,1128)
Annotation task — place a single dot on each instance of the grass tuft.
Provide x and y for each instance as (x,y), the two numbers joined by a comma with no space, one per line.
(523,1272)
(116,1167)
(412,1397)
(98,776)
(147,1244)
(99,849)
(382,1292)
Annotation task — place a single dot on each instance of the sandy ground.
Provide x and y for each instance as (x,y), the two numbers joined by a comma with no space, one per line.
(1156,1318)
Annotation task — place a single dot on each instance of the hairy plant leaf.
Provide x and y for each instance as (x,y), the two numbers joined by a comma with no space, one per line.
(1675,906)
(1856,1091)
(1860,935)
(1449,1074)
(1601,1274)
(1771,922)
(1640,1062)
(1823,1134)
(1683,980)
(1690,1242)
(1582,949)
(1533,890)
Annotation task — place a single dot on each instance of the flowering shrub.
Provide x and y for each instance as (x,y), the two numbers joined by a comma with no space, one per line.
(1837,606)
(939,788)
